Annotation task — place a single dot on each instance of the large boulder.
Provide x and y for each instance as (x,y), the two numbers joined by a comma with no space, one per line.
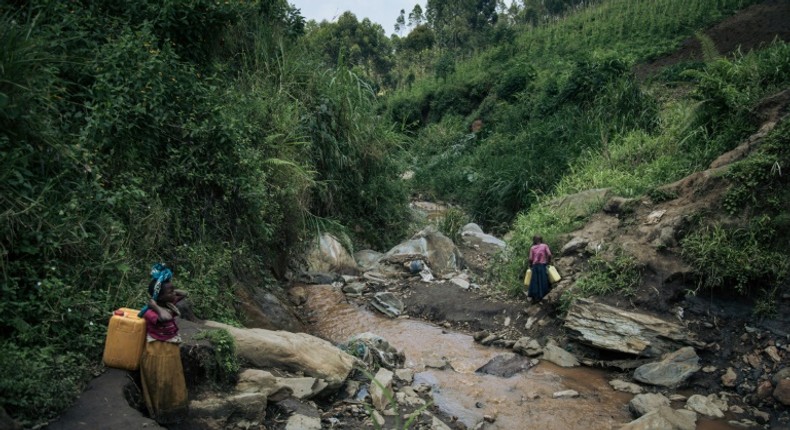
(582,203)
(430,246)
(295,352)
(472,234)
(672,370)
(264,309)
(615,329)
(329,255)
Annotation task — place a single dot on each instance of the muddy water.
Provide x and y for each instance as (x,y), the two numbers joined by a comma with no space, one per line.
(523,401)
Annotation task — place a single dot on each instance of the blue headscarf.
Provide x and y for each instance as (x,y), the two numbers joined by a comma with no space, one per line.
(161,274)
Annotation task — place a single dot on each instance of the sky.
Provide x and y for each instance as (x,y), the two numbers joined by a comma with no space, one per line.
(383,12)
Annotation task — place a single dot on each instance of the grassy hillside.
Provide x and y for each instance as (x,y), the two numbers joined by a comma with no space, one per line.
(545,99)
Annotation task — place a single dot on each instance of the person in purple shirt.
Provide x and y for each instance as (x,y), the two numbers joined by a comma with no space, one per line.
(539,258)
(161,371)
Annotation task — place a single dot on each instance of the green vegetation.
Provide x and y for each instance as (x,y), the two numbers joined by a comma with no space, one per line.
(619,275)
(223,367)
(200,134)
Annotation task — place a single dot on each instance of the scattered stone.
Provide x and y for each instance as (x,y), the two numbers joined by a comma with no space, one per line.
(744,423)
(677,398)
(530,322)
(709,369)
(489,339)
(527,346)
(736,409)
(642,404)
(574,245)
(302,422)
(761,417)
(729,378)
(753,360)
(387,303)
(405,375)
(672,370)
(664,418)
(710,405)
(782,392)
(354,289)
(773,353)
(764,389)
(625,387)
(489,418)
(438,363)
(559,356)
(505,365)
(381,389)
(565,394)
(480,335)
(297,295)
(460,282)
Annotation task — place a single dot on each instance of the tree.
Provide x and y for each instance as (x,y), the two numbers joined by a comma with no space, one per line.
(415,16)
(400,22)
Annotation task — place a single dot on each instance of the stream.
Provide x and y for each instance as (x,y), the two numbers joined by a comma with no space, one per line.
(522,401)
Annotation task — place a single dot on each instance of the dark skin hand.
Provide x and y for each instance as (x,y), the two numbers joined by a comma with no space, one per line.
(166,295)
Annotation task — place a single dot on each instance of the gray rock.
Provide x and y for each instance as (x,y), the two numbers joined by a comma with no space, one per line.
(387,303)
(625,387)
(614,329)
(710,405)
(527,346)
(559,356)
(505,365)
(303,422)
(642,404)
(367,259)
(574,245)
(381,389)
(781,374)
(472,234)
(329,255)
(430,246)
(664,418)
(671,371)
(567,394)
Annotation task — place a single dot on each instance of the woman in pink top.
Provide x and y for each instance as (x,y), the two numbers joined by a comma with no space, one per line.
(539,258)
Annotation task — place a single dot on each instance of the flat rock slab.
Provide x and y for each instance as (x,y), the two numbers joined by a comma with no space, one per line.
(614,329)
(102,405)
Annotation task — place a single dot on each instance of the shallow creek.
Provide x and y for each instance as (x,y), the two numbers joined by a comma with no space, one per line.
(523,401)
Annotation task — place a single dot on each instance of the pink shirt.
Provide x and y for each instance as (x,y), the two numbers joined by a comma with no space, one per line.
(159,330)
(539,254)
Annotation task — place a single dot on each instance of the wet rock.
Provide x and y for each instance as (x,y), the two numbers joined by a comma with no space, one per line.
(387,303)
(381,389)
(782,392)
(489,339)
(744,424)
(291,351)
(753,360)
(614,329)
(328,255)
(354,289)
(374,351)
(730,378)
(472,234)
(773,353)
(642,404)
(764,390)
(625,387)
(711,405)
(559,356)
(480,335)
(489,418)
(677,398)
(664,418)
(671,371)
(527,346)
(261,381)
(761,416)
(567,394)
(505,365)
(438,363)
(264,309)
(297,295)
